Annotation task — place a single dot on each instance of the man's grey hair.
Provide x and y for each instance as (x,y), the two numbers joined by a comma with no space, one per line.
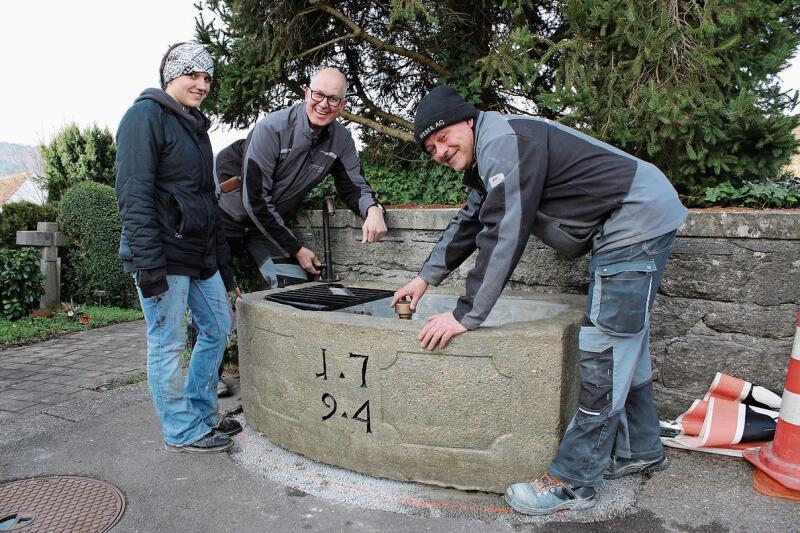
(331,69)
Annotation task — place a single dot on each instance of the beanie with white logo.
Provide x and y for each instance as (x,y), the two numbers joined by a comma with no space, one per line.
(440,108)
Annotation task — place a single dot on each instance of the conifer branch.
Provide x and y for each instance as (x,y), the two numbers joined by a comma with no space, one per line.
(359,32)
(377,126)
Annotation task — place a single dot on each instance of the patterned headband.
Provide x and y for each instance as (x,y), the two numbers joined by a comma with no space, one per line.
(185,59)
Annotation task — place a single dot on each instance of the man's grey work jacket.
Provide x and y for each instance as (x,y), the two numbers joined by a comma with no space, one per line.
(534,176)
(283,161)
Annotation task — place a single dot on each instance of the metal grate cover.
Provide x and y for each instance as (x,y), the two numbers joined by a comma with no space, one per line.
(60,503)
(327,297)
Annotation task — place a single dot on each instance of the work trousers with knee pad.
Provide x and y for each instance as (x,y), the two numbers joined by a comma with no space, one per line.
(616,411)
(277,269)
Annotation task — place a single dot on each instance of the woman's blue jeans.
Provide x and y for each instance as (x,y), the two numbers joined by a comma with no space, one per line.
(616,411)
(186,407)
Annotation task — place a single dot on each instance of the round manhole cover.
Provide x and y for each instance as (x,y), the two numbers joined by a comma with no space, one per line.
(59,503)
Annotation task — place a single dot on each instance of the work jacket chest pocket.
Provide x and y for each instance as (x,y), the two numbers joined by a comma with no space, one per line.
(320,162)
(621,296)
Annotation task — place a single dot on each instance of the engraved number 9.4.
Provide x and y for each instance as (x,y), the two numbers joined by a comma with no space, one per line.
(330,402)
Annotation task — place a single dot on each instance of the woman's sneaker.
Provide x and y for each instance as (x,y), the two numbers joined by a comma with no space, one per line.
(211,443)
(619,467)
(228,426)
(223,390)
(547,495)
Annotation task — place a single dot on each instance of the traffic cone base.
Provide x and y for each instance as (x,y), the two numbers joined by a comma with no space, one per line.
(780,459)
(769,487)
(766,461)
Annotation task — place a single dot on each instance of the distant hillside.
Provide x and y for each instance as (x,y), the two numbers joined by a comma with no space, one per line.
(10,162)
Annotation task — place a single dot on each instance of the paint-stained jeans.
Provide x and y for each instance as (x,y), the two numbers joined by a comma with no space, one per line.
(616,412)
(187,408)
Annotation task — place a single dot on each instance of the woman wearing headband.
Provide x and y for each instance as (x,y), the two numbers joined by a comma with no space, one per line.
(173,245)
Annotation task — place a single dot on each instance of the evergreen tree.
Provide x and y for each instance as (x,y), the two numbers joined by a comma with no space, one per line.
(689,85)
(76,155)
(392,52)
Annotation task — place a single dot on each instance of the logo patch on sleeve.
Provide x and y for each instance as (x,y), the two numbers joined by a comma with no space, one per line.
(496,180)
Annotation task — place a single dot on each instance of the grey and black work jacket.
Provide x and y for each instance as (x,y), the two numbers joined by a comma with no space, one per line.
(534,176)
(284,160)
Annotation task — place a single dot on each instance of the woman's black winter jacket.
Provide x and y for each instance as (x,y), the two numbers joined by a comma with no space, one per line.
(166,193)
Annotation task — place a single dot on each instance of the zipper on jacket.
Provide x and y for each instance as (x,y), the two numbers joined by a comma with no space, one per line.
(180,211)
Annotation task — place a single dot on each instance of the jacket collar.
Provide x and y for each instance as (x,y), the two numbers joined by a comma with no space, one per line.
(195,121)
(303,126)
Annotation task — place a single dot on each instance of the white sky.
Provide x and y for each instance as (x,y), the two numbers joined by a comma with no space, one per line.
(85,61)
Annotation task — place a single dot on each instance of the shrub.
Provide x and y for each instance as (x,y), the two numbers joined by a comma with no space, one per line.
(76,155)
(22,216)
(761,195)
(400,174)
(89,219)
(21,281)
(425,183)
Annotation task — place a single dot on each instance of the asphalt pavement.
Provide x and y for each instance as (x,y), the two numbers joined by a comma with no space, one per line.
(107,430)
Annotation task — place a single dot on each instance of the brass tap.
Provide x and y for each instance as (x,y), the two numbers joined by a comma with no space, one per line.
(403,309)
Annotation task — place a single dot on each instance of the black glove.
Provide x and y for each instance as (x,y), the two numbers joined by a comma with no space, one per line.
(152,281)
(226,272)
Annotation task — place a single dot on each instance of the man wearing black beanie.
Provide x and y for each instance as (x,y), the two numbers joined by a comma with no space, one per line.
(442,107)
(577,195)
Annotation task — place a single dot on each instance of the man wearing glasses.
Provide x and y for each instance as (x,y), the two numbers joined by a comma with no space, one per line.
(263,178)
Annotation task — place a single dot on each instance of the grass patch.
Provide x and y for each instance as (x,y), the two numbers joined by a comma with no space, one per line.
(30,330)
(136,378)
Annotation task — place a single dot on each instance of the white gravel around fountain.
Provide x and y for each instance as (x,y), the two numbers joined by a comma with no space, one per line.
(256,453)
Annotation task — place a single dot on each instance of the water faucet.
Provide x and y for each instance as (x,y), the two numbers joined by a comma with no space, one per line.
(328,210)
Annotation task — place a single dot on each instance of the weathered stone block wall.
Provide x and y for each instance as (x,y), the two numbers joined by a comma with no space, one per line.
(728,301)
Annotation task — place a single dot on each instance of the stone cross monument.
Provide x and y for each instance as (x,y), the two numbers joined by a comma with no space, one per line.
(47,238)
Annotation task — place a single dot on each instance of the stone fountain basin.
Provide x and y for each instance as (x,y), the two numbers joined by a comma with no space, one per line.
(506,311)
(353,388)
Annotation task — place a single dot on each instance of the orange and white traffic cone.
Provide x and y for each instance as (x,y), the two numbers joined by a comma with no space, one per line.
(780,459)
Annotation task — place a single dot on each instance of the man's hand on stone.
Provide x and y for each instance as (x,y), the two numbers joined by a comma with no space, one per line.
(308,260)
(374,227)
(439,330)
(414,288)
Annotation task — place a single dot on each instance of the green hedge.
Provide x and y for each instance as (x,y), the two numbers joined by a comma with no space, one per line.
(23,216)
(89,219)
(21,282)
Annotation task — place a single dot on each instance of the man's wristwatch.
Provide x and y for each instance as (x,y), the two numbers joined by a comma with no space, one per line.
(379,206)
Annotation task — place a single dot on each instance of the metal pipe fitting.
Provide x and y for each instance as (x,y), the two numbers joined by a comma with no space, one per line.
(403,309)
(328,209)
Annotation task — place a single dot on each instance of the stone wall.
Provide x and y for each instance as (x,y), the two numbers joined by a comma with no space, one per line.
(728,301)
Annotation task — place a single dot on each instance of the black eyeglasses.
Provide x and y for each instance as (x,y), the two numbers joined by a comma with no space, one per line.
(333,101)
